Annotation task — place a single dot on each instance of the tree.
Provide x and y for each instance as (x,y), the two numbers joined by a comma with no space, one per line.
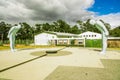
(107,25)
(56,26)
(86,26)
(25,32)
(89,27)
(37,28)
(63,26)
(115,32)
(4,28)
(75,30)
(46,26)
(82,27)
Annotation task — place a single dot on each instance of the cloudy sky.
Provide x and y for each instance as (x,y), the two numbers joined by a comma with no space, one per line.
(34,11)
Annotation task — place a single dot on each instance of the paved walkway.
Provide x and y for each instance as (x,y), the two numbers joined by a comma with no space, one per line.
(42,67)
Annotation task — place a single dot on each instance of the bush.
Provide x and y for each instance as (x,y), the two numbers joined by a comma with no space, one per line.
(25,42)
(71,45)
(93,43)
(6,42)
(1,43)
(72,42)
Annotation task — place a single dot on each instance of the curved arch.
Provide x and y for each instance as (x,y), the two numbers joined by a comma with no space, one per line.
(101,27)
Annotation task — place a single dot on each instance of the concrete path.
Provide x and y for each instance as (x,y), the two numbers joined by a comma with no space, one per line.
(39,69)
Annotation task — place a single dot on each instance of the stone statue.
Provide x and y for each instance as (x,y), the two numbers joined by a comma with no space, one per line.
(104,32)
(11,35)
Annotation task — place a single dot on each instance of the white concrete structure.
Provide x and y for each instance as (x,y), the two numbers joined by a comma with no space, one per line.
(48,38)
(90,35)
(44,38)
(58,38)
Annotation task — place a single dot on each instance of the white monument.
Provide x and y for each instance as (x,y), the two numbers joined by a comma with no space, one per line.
(104,32)
(11,35)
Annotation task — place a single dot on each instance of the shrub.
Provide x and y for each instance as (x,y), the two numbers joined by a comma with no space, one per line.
(72,42)
(1,43)
(93,43)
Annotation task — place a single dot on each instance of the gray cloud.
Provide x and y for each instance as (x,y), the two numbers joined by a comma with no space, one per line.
(49,10)
(113,19)
(24,10)
(14,11)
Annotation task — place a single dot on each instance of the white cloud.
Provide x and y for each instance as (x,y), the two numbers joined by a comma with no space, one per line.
(71,10)
(50,10)
(113,19)
(12,11)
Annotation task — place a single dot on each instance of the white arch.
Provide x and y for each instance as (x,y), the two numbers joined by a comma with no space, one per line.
(101,27)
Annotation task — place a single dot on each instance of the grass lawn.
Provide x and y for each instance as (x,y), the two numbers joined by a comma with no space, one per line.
(7,47)
(101,48)
(110,72)
(113,49)
(21,46)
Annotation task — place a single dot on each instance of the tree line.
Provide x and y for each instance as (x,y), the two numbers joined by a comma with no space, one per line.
(27,31)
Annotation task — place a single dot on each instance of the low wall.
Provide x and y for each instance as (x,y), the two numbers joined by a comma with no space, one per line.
(114,42)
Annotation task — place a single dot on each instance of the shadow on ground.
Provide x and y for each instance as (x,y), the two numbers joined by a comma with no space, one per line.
(110,72)
(16,65)
(4,79)
(98,50)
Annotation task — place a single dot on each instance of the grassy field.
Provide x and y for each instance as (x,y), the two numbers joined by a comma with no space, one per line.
(7,47)
(110,72)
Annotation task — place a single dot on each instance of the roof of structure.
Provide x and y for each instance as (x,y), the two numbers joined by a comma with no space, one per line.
(60,33)
(68,34)
(89,32)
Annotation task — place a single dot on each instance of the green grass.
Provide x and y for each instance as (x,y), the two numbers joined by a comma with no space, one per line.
(110,72)
(108,49)
(6,46)
(113,48)
(59,53)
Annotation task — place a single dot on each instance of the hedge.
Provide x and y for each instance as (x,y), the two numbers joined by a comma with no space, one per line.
(93,43)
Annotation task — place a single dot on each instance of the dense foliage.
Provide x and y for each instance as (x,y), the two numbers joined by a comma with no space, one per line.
(115,32)
(93,43)
(27,31)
